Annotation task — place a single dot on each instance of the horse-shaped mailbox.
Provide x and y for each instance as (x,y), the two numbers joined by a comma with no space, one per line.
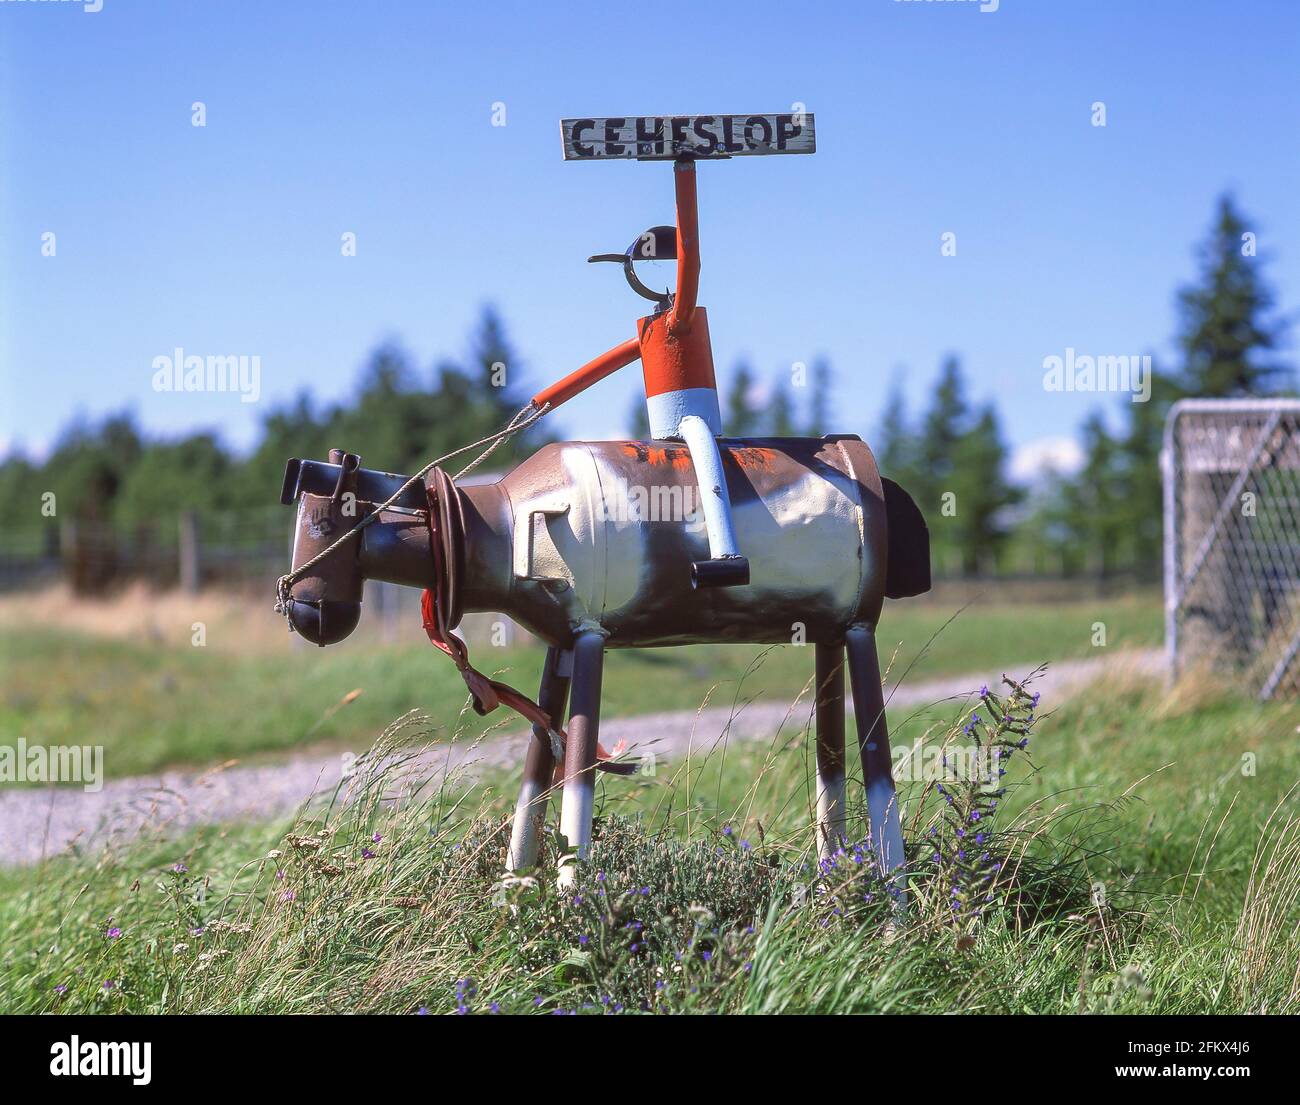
(687,538)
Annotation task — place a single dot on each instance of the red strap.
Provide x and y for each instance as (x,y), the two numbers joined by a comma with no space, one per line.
(487,693)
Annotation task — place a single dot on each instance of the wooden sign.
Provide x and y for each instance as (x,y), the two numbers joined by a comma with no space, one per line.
(664,137)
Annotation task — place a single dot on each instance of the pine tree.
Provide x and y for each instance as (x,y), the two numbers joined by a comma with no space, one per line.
(942,425)
(980,526)
(497,370)
(1095,500)
(956,471)
(944,420)
(896,444)
(780,413)
(741,418)
(1226,331)
(1141,504)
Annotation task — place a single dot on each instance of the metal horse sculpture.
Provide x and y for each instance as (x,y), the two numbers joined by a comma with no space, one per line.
(634,544)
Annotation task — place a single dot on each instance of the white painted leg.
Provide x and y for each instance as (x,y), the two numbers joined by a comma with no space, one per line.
(829,691)
(539,769)
(576,810)
(873,743)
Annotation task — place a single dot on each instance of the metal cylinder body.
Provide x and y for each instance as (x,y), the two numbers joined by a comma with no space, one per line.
(602,534)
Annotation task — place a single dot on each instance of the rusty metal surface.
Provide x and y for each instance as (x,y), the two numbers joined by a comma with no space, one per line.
(602,535)
(577,536)
(595,545)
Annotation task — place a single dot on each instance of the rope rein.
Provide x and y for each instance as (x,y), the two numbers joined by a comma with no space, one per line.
(526,416)
(486,694)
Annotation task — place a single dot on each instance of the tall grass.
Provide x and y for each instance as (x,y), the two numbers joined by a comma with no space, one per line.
(704,892)
(133,674)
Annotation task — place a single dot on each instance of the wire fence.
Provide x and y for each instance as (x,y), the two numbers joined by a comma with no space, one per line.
(186,550)
(243,553)
(1232,541)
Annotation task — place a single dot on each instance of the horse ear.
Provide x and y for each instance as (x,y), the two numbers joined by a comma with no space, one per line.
(907,555)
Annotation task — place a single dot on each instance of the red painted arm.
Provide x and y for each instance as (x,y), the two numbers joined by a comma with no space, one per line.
(588,374)
(688,247)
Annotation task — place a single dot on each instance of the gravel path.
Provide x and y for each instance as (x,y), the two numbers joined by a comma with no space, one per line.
(40,822)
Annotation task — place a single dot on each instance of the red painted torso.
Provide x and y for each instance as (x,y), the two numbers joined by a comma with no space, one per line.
(673,362)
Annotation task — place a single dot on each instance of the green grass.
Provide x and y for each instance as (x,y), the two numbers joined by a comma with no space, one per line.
(152,705)
(1132,840)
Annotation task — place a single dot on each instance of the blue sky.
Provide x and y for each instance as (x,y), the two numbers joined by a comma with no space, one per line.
(375,119)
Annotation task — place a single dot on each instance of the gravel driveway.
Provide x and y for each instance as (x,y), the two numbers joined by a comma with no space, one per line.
(40,822)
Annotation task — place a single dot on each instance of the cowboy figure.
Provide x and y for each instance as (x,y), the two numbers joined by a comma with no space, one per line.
(677,362)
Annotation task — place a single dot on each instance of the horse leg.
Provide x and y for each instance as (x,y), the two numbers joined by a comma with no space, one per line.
(829,668)
(539,768)
(873,743)
(580,753)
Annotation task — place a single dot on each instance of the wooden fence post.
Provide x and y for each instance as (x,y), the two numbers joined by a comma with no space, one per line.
(189,551)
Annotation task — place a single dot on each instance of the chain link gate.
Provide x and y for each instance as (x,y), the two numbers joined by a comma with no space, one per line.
(1231,472)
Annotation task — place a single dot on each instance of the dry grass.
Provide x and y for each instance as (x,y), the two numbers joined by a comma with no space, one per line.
(144,615)
(1268,933)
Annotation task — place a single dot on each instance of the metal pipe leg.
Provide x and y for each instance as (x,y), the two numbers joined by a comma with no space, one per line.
(873,743)
(580,754)
(725,566)
(829,680)
(539,768)
(712,480)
